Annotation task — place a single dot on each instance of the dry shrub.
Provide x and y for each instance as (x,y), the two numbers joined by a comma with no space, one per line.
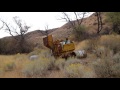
(75,69)
(59,64)
(45,54)
(108,67)
(88,45)
(116,71)
(56,74)
(38,67)
(102,52)
(116,58)
(41,65)
(41,52)
(1,71)
(111,41)
(36,51)
(103,46)
(93,44)
(83,45)
(9,66)
(103,68)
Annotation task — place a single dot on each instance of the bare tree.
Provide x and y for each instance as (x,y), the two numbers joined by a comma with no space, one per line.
(79,16)
(99,19)
(68,19)
(46,32)
(75,24)
(79,22)
(20,30)
(80,19)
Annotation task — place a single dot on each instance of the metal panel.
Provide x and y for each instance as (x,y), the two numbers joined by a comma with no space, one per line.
(68,47)
(48,41)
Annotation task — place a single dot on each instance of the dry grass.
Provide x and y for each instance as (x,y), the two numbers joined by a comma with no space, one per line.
(105,55)
(104,44)
(111,41)
(82,45)
(11,66)
(43,67)
(103,62)
(56,74)
(19,65)
(59,64)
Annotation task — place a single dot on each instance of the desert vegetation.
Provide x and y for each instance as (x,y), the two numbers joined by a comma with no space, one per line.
(102,61)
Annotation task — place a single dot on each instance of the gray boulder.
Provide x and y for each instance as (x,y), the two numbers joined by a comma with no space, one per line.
(33,57)
(81,53)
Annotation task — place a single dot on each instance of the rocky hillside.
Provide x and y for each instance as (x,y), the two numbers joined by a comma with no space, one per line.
(36,37)
(89,22)
(66,30)
(38,33)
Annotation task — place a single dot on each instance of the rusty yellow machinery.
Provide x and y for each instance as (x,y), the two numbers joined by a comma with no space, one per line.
(59,48)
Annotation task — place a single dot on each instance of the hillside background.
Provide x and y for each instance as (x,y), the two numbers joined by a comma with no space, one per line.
(35,38)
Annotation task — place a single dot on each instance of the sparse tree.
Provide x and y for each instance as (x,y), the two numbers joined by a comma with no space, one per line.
(76,25)
(46,32)
(20,30)
(79,16)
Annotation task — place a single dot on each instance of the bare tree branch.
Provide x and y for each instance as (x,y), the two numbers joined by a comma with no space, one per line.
(76,17)
(2,26)
(20,31)
(99,19)
(46,30)
(14,30)
(82,18)
(8,29)
(67,18)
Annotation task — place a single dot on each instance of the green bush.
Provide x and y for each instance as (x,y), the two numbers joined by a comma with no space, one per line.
(114,18)
(80,33)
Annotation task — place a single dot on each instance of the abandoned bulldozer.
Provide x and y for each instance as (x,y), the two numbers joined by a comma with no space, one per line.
(59,48)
